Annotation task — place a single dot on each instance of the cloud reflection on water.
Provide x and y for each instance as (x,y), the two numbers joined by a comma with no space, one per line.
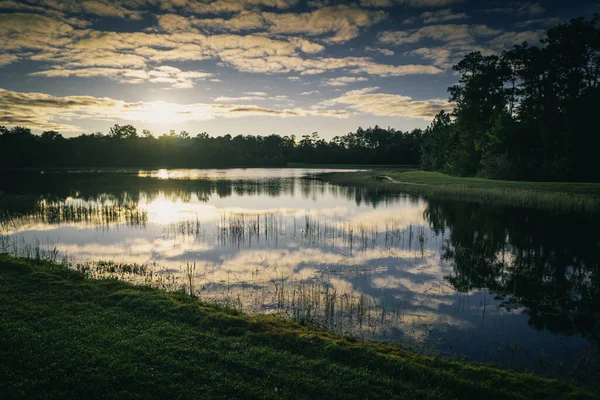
(416,263)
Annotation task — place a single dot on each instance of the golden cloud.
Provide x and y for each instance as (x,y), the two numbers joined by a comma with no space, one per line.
(388,105)
(115,55)
(43,111)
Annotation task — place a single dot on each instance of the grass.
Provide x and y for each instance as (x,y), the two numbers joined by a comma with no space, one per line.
(437,178)
(64,336)
(554,195)
(352,166)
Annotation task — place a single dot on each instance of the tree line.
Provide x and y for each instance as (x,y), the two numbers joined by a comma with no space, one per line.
(123,146)
(529,113)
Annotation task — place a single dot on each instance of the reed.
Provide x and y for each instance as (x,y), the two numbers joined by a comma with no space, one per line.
(66,212)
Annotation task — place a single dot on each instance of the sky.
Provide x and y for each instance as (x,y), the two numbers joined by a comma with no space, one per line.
(289,67)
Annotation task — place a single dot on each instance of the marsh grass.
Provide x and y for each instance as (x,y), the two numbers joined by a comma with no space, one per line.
(64,212)
(35,250)
(316,302)
(112,269)
(248,229)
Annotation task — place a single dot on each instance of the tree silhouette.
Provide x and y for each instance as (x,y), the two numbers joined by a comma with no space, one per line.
(527,114)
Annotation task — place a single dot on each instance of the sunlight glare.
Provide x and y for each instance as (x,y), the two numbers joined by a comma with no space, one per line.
(163,211)
(161,112)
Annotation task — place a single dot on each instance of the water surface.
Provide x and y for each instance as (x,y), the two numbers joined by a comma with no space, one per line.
(491,283)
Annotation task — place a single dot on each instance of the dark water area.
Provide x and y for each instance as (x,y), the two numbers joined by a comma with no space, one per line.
(499,284)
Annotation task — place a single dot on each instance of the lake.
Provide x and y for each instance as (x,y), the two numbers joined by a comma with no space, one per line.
(486,282)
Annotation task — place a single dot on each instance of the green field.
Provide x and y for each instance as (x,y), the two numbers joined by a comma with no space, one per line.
(64,336)
(559,195)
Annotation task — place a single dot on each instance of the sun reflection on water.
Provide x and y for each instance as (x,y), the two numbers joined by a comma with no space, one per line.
(162,211)
(162,174)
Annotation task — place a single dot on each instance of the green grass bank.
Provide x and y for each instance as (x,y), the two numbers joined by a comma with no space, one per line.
(355,166)
(559,195)
(65,336)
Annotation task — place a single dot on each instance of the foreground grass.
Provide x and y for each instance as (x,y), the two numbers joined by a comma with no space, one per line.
(559,195)
(63,336)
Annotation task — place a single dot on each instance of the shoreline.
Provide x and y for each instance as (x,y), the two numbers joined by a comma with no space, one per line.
(575,196)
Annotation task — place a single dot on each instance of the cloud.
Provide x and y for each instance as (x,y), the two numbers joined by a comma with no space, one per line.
(441,16)
(344,22)
(104,8)
(385,52)
(289,63)
(504,10)
(338,23)
(309,93)
(228,6)
(89,53)
(173,23)
(361,65)
(252,96)
(244,21)
(388,105)
(540,21)
(343,81)
(127,50)
(531,9)
(508,39)
(61,8)
(26,32)
(410,3)
(48,12)
(134,9)
(458,39)
(163,74)
(444,33)
(438,55)
(43,111)
(6,59)
(445,57)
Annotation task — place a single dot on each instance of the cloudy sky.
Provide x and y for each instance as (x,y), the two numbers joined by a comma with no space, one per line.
(248,66)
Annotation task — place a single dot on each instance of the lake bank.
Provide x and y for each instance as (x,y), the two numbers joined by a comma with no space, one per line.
(552,195)
(66,336)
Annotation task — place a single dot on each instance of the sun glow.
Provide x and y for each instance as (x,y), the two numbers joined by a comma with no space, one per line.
(162,174)
(161,112)
(163,211)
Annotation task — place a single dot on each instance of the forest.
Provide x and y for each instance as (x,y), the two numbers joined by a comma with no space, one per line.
(526,114)
(124,147)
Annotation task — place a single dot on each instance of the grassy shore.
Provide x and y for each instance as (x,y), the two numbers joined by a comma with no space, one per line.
(559,195)
(355,166)
(64,336)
